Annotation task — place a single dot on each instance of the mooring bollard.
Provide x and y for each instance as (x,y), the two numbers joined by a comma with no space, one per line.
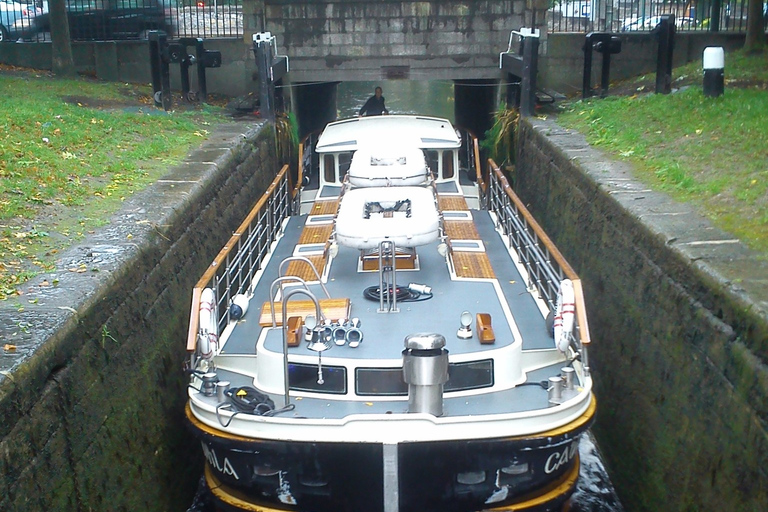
(714,71)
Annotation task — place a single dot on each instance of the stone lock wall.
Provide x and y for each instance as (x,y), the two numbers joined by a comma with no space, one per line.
(679,317)
(92,401)
(381,39)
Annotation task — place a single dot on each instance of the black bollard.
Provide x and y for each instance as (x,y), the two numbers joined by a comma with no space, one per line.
(665,32)
(714,71)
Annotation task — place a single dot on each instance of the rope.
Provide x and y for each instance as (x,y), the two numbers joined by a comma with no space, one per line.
(402,294)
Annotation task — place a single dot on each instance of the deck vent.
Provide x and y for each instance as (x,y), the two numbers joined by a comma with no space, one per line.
(425,370)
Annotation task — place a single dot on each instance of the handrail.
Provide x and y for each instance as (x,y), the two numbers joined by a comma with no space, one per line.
(318,316)
(540,237)
(478,167)
(280,280)
(306,260)
(263,222)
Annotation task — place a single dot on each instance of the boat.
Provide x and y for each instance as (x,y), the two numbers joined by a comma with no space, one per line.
(395,333)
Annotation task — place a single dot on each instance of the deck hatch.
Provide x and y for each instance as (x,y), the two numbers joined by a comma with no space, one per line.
(303,377)
(389,381)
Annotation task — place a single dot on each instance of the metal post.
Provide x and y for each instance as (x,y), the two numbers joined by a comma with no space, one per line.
(714,25)
(201,65)
(586,82)
(161,74)
(524,66)
(666,38)
(186,61)
(530,47)
(605,74)
(262,47)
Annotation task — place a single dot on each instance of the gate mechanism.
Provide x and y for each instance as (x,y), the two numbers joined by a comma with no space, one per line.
(163,53)
(607,44)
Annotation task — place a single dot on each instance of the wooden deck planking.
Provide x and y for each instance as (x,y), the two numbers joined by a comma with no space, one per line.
(325,207)
(302,270)
(461,230)
(333,309)
(472,264)
(315,234)
(452,203)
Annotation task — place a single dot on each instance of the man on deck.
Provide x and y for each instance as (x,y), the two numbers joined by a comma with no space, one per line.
(375,105)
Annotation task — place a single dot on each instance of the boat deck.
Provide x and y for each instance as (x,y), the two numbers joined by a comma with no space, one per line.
(486,280)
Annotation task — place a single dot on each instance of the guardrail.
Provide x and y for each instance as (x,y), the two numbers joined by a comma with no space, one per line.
(545,265)
(233,269)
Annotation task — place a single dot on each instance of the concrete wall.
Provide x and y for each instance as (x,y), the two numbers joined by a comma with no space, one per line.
(679,317)
(92,400)
(128,61)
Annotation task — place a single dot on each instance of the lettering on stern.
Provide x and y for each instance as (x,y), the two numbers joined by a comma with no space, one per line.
(224,468)
(558,459)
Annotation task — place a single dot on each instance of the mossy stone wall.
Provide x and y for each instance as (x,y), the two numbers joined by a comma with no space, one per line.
(678,355)
(92,410)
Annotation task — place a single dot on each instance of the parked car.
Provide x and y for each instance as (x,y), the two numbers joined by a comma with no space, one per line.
(105,20)
(651,22)
(15,18)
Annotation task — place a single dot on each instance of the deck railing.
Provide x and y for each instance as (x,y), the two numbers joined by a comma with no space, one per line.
(233,270)
(545,265)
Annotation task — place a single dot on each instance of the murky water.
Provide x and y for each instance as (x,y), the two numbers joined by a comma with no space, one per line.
(595,492)
(402,97)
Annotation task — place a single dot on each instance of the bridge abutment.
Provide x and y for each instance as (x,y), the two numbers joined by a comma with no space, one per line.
(385,39)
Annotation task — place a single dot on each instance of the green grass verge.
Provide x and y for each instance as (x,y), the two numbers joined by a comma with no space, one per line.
(710,152)
(70,152)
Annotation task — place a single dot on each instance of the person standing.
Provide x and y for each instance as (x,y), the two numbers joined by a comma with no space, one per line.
(375,105)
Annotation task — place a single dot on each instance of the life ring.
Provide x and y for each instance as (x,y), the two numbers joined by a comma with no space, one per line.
(208,336)
(564,315)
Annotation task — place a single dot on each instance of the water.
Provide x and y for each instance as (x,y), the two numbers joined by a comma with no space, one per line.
(594,492)
(402,97)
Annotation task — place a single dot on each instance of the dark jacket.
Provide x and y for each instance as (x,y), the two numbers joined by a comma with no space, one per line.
(373,107)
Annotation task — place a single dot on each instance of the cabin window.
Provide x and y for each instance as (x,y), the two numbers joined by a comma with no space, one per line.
(447,164)
(329,168)
(380,381)
(470,375)
(303,377)
(345,160)
(389,381)
(432,160)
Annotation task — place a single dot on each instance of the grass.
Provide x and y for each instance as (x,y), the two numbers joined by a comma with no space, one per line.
(70,152)
(710,152)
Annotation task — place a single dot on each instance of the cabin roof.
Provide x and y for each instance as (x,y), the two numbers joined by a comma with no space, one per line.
(420,131)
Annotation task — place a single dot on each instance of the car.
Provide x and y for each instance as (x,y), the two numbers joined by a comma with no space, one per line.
(651,22)
(15,18)
(106,20)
